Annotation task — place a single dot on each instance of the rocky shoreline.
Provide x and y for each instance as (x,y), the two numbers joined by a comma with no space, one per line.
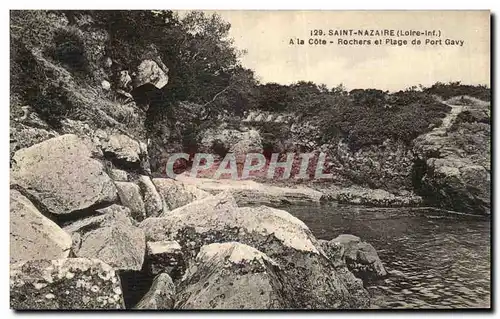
(195,239)
(85,207)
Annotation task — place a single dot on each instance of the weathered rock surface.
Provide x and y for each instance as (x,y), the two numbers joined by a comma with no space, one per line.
(166,256)
(160,296)
(360,257)
(110,237)
(233,276)
(176,193)
(71,284)
(274,232)
(153,202)
(123,148)
(453,170)
(149,72)
(118,175)
(250,192)
(61,174)
(130,196)
(32,235)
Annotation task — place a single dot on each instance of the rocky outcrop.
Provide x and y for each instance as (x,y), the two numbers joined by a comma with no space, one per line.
(360,257)
(130,196)
(148,71)
(223,140)
(233,276)
(32,235)
(64,284)
(453,170)
(176,193)
(371,197)
(53,171)
(110,237)
(387,166)
(160,296)
(250,192)
(274,232)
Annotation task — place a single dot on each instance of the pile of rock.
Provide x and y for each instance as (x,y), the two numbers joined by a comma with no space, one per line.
(81,230)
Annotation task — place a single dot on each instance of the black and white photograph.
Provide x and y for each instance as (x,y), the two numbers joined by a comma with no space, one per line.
(167,160)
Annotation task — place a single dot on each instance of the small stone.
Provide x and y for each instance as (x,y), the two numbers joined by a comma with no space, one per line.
(39,286)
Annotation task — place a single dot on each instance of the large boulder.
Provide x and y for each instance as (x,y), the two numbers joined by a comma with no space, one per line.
(110,237)
(148,71)
(32,235)
(130,196)
(153,202)
(160,296)
(233,276)
(123,149)
(176,193)
(61,175)
(64,284)
(360,257)
(453,167)
(274,232)
(457,184)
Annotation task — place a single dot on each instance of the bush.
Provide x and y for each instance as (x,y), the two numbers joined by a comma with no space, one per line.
(53,104)
(69,49)
(26,75)
(404,116)
(452,89)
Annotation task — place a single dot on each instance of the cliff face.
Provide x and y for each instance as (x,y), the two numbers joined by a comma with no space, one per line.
(454,160)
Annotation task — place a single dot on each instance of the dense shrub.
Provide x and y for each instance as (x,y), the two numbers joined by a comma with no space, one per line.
(26,75)
(69,49)
(362,117)
(451,89)
(54,104)
(37,87)
(370,124)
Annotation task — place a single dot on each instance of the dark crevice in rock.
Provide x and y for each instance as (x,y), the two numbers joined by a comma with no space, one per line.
(123,164)
(66,219)
(135,284)
(419,169)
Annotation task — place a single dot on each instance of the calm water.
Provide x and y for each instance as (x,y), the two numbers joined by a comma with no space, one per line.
(436,260)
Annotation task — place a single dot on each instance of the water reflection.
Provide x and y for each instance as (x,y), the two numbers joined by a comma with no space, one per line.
(436,260)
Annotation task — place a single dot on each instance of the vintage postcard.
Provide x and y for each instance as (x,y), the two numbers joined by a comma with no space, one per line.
(251,160)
